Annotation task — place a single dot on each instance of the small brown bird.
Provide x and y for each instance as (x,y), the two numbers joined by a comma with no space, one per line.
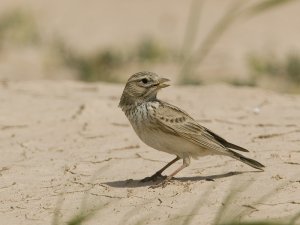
(167,128)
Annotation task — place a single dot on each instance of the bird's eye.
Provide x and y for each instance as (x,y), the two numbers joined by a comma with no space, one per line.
(144,80)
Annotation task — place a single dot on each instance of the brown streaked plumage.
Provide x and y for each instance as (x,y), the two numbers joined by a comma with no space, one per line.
(167,128)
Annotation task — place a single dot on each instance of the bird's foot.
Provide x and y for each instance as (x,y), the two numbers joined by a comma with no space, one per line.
(154,177)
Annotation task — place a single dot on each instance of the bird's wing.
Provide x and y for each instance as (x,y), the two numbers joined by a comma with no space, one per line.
(177,122)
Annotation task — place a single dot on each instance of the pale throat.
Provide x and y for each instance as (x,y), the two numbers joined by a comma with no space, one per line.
(128,101)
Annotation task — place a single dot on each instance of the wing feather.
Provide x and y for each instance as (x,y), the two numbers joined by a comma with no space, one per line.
(177,122)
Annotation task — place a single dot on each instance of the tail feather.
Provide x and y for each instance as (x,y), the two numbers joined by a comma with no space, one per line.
(226,143)
(236,147)
(248,161)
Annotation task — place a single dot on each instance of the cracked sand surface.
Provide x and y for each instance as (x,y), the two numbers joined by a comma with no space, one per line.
(70,137)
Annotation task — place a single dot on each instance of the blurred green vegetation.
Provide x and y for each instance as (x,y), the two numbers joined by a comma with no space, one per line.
(18,27)
(254,223)
(283,70)
(100,66)
(238,11)
(108,64)
(151,51)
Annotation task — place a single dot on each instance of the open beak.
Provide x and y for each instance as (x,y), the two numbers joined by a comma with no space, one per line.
(162,83)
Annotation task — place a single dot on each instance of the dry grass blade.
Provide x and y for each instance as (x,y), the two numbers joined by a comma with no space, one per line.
(261,199)
(55,219)
(77,219)
(84,213)
(235,12)
(294,219)
(253,223)
(197,206)
(238,214)
(229,198)
(211,39)
(192,27)
(264,5)
(86,194)
(135,211)
(81,217)
(218,30)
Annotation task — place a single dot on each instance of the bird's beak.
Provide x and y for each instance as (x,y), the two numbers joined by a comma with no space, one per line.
(162,83)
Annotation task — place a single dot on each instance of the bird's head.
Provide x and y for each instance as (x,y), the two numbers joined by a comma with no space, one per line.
(142,87)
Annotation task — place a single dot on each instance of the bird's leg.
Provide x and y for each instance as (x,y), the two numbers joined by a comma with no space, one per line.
(158,175)
(186,163)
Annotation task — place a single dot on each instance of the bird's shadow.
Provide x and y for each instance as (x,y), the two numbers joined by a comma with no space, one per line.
(130,183)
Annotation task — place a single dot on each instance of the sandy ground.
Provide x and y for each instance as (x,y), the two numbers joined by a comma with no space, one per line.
(70,138)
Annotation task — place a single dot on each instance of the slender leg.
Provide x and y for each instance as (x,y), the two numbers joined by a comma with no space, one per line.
(157,175)
(186,162)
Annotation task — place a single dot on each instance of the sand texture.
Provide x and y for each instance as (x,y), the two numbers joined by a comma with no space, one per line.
(70,138)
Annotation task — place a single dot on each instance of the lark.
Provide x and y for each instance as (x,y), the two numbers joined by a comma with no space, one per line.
(167,128)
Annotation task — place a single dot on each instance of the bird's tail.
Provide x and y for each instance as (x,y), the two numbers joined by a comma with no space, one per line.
(248,161)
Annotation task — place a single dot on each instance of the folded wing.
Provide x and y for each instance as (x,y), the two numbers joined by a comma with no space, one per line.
(177,122)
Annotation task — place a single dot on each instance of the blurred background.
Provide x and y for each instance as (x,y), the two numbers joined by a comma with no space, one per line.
(241,42)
